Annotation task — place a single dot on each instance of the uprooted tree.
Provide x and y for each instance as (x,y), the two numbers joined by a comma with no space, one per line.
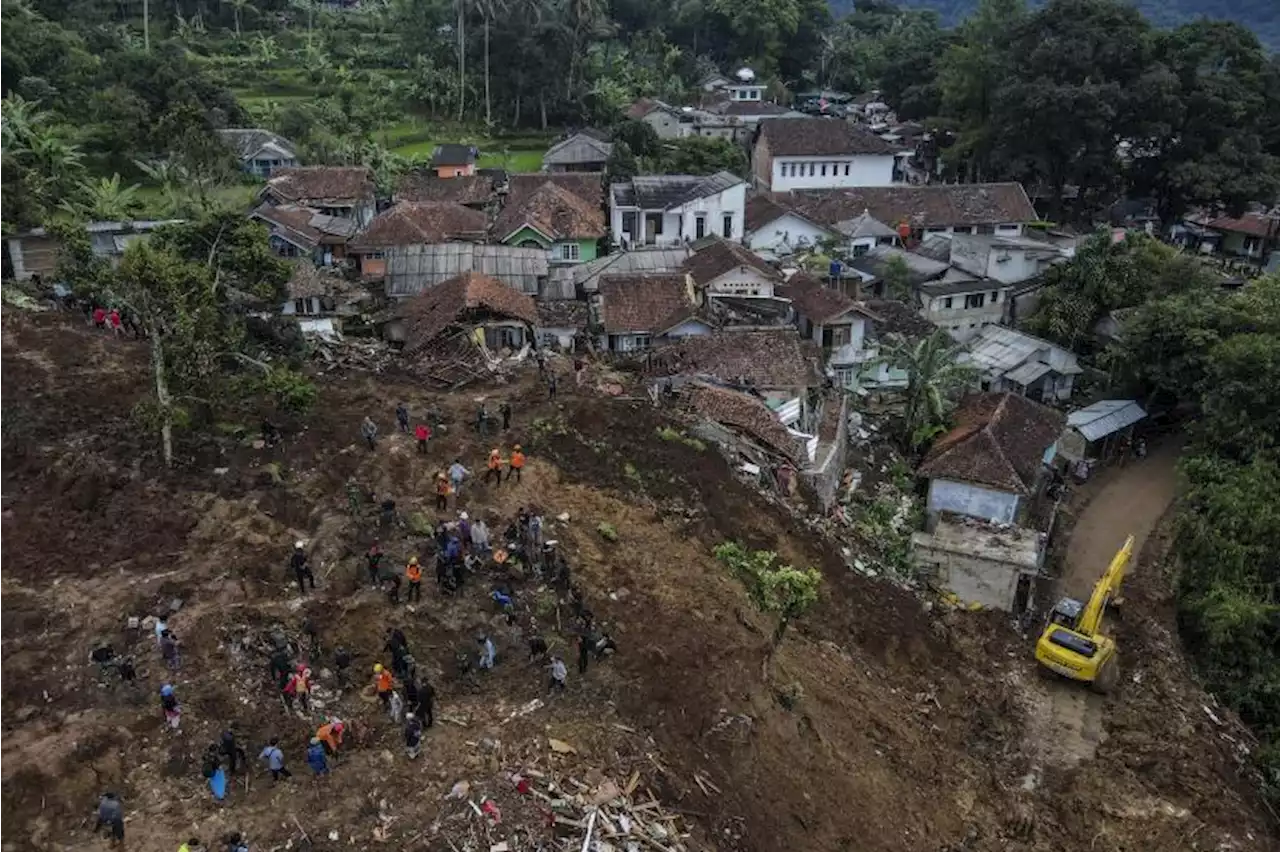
(178,286)
(782,591)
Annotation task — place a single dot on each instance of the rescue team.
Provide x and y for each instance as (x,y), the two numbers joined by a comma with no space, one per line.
(463,547)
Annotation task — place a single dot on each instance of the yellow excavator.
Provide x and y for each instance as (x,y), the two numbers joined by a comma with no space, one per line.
(1072,643)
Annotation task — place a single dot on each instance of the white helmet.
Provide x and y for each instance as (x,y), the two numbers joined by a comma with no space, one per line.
(299,544)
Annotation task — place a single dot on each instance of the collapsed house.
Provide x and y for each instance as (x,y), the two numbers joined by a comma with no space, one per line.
(464,328)
(770,410)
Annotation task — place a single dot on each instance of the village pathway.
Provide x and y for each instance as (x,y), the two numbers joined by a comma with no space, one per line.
(1129,501)
(1066,719)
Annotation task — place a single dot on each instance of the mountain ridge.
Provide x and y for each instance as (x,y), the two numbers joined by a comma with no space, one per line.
(1261,16)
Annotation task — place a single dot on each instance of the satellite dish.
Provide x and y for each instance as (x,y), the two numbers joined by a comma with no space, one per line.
(745,75)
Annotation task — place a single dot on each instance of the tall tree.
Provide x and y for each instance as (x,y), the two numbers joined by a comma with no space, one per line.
(934,377)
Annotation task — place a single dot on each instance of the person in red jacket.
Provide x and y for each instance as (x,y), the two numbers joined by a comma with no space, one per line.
(99,317)
(117,327)
(422,432)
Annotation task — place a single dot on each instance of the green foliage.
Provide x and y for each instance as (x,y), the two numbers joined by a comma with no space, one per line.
(291,390)
(778,590)
(934,378)
(420,524)
(669,433)
(702,156)
(1105,276)
(1221,353)
(607,531)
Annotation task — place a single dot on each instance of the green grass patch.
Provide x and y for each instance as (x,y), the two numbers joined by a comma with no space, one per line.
(607,531)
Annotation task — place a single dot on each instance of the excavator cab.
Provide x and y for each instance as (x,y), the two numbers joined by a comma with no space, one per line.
(1072,643)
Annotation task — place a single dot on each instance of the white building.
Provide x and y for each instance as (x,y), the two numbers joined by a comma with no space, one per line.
(819,153)
(774,229)
(728,269)
(668,210)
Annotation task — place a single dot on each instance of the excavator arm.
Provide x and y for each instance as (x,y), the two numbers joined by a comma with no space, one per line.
(1105,590)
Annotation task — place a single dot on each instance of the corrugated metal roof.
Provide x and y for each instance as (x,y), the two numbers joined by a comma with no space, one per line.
(1027,373)
(637,262)
(1105,418)
(998,349)
(412,269)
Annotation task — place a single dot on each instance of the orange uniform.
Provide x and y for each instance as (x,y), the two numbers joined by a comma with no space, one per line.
(383,681)
(442,486)
(414,572)
(495,460)
(517,459)
(331,736)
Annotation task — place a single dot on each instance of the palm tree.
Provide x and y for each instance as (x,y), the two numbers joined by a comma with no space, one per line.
(21,119)
(265,49)
(106,199)
(238,6)
(934,375)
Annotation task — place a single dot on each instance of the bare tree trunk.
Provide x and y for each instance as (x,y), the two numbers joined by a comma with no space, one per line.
(146,25)
(162,397)
(235,10)
(462,59)
(542,105)
(515,113)
(488,111)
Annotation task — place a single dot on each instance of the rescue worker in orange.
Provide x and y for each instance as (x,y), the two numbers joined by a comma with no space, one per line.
(495,467)
(413,573)
(382,683)
(330,734)
(442,492)
(516,464)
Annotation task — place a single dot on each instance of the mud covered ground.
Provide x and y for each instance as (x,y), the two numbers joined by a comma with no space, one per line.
(883,723)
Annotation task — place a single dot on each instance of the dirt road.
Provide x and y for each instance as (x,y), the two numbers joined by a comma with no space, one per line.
(1129,500)
(1068,722)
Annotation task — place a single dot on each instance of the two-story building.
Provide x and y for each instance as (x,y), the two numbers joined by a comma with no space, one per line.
(819,153)
(346,192)
(833,321)
(667,210)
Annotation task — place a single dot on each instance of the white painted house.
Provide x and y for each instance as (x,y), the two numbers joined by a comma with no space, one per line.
(669,210)
(819,153)
(1009,360)
(726,268)
(774,229)
(833,321)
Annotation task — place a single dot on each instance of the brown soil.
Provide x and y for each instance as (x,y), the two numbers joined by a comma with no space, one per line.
(882,725)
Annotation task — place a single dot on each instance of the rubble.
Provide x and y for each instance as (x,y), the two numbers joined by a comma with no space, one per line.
(351,353)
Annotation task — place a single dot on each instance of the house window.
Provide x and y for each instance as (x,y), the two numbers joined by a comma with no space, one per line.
(844,376)
(995,297)
(946,304)
(302,306)
(375,255)
(1007,229)
(975,300)
(813,169)
(699,226)
(569,251)
(824,169)
(859,249)
(1252,244)
(640,341)
(728,225)
(846,169)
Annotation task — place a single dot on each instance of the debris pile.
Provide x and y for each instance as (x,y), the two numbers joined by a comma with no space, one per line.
(331,354)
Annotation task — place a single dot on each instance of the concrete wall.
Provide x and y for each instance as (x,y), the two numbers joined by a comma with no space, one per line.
(742,281)
(971,578)
(830,172)
(664,123)
(679,225)
(823,476)
(963,323)
(963,498)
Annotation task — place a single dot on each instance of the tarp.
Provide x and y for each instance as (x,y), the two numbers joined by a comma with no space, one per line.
(218,784)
